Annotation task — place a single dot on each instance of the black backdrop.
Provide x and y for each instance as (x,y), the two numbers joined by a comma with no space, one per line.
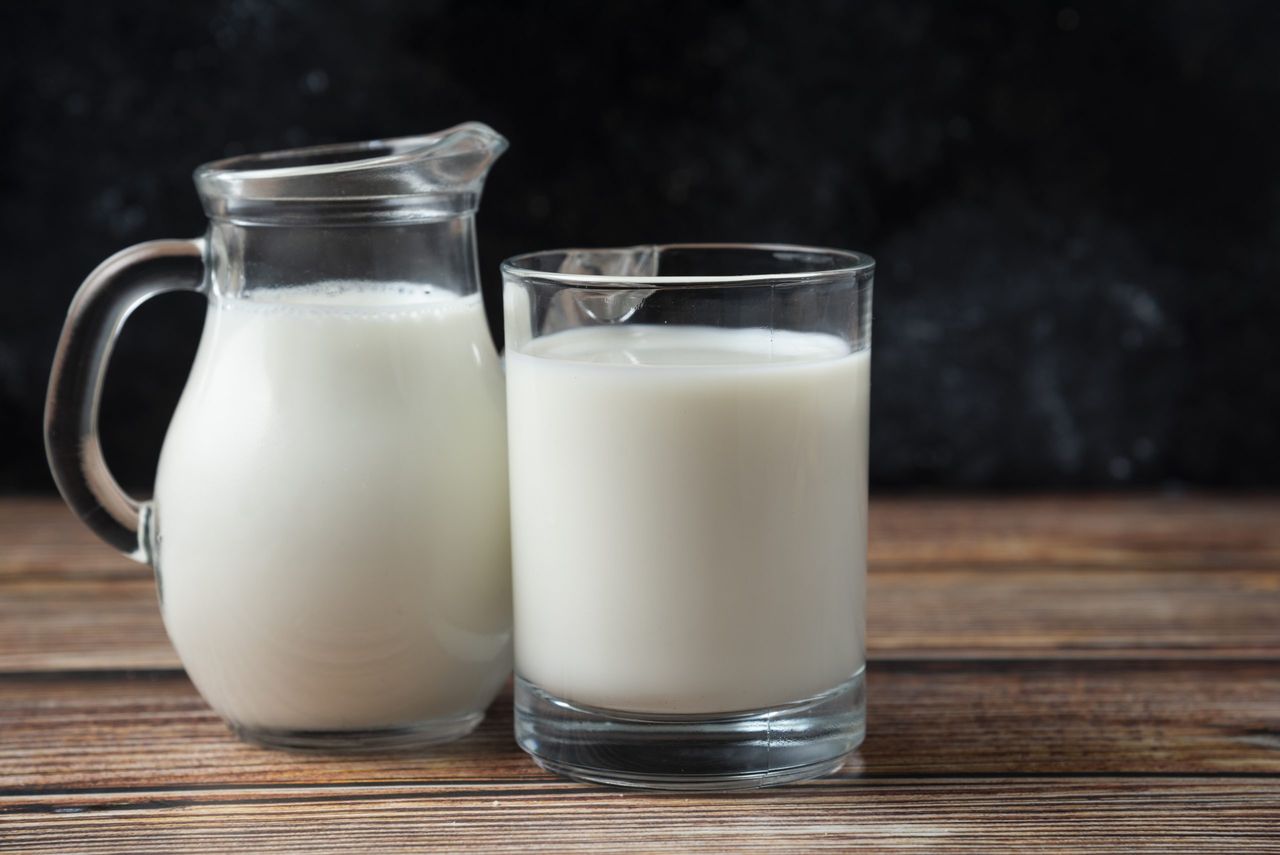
(1075,205)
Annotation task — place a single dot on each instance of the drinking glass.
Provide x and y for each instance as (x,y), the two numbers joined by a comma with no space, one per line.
(687,432)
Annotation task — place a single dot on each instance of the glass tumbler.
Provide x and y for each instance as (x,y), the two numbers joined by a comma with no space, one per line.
(687,434)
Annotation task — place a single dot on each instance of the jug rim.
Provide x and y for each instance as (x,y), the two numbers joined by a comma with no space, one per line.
(422,176)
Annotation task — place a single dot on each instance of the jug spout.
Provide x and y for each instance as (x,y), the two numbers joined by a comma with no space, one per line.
(460,156)
(404,179)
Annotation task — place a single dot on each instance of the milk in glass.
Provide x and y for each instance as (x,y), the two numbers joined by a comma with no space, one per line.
(688,515)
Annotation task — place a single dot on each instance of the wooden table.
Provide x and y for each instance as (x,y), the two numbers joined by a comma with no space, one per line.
(1047,672)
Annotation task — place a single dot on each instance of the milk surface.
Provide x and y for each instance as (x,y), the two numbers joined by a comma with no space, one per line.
(332,510)
(688,516)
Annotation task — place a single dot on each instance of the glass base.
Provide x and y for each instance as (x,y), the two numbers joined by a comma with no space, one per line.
(405,738)
(731,751)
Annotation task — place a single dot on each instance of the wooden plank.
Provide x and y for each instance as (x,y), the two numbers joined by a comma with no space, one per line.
(111,622)
(1096,815)
(1049,673)
(925,718)
(101,622)
(1140,531)
(41,535)
(1065,611)
(1137,531)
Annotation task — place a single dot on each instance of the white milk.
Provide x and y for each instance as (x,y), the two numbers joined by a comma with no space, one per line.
(332,508)
(688,516)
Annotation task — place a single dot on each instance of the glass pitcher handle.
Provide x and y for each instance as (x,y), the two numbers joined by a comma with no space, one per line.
(105,300)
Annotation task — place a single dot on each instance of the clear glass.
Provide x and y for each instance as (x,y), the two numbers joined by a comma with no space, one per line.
(329,526)
(687,428)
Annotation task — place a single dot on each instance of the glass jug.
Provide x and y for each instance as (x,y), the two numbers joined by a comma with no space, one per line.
(329,529)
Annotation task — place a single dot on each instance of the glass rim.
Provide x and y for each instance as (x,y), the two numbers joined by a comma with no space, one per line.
(856,264)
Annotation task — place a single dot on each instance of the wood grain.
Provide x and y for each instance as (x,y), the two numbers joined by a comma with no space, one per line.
(1035,577)
(979,816)
(100,622)
(1107,530)
(1154,531)
(1087,673)
(963,612)
(41,534)
(1037,612)
(924,718)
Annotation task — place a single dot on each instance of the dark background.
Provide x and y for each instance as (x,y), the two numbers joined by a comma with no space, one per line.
(1075,205)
